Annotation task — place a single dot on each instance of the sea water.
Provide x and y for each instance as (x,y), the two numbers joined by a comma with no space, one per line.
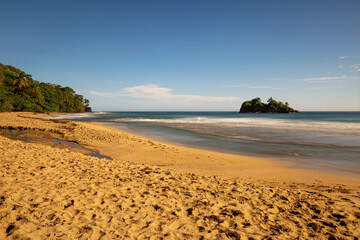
(316,140)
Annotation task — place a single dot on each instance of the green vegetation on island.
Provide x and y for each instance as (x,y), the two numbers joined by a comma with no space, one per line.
(256,106)
(19,92)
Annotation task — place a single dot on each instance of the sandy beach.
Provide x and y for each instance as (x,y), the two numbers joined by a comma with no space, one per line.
(154,190)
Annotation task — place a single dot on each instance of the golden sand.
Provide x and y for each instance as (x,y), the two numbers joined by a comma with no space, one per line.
(152,190)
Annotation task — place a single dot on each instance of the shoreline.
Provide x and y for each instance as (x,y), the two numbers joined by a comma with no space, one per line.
(282,163)
(222,164)
(304,148)
(153,189)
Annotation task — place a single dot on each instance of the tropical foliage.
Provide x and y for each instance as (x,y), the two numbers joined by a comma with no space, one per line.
(20,92)
(256,106)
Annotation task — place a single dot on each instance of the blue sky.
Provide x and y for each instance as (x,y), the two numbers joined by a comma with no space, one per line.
(189,55)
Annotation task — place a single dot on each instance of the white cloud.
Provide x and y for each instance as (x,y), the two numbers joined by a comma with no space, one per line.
(341,66)
(100,94)
(265,87)
(104,94)
(235,86)
(323,79)
(356,67)
(343,57)
(355,78)
(148,91)
(152,91)
(249,86)
(314,88)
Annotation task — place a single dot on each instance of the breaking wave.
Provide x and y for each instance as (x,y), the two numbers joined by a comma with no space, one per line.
(258,123)
(70,116)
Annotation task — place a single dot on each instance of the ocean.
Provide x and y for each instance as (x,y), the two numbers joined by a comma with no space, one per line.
(311,140)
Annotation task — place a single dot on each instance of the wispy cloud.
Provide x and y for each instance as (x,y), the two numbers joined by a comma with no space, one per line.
(152,91)
(343,57)
(314,88)
(265,87)
(356,67)
(250,86)
(105,94)
(235,86)
(322,79)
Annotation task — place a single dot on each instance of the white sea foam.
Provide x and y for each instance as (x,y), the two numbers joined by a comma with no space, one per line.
(72,116)
(275,124)
(100,113)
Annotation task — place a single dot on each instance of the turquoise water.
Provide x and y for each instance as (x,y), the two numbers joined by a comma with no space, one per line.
(316,140)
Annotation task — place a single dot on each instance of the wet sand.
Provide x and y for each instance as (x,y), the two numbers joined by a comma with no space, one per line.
(160,191)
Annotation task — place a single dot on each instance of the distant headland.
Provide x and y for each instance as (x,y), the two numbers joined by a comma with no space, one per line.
(20,92)
(256,106)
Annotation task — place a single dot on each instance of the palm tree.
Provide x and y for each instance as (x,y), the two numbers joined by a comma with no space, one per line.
(2,74)
(22,81)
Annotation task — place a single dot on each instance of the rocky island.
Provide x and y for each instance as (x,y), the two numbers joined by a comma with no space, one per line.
(256,106)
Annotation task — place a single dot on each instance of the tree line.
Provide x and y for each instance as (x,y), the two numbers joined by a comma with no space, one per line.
(20,92)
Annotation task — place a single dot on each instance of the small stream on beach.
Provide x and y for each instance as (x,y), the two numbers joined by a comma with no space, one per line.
(31,136)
